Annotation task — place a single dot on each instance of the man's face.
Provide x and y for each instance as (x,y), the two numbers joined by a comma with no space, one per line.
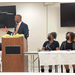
(17,19)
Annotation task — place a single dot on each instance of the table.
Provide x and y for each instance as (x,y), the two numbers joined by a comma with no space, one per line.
(51,58)
(57,57)
(33,53)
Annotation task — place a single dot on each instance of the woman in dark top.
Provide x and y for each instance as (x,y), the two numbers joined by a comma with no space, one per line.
(50,45)
(69,44)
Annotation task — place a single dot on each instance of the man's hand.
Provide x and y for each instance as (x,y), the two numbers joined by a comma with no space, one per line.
(4,29)
(15,33)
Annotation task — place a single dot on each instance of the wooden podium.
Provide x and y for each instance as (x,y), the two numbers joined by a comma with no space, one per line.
(13,59)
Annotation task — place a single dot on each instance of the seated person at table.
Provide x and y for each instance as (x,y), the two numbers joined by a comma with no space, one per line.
(69,44)
(50,45)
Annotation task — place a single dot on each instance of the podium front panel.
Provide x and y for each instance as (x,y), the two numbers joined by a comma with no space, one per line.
(13,61)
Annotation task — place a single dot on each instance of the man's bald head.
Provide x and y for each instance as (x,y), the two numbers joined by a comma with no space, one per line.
(18,18)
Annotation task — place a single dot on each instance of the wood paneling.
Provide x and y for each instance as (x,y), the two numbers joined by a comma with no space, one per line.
(13,62)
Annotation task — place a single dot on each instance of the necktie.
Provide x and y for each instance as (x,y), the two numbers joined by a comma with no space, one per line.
(17,27)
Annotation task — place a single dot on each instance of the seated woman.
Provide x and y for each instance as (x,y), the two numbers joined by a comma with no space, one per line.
(51,45)
(69,44)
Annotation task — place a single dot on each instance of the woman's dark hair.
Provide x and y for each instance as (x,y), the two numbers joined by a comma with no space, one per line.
(67,33)
(54,34)
(72,35)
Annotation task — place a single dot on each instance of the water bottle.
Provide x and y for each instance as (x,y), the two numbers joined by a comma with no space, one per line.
(38,49)
(11,34)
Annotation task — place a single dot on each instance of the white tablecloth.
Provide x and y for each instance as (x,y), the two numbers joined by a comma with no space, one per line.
(56,57)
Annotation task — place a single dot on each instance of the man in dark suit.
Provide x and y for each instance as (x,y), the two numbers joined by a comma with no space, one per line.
(20,27)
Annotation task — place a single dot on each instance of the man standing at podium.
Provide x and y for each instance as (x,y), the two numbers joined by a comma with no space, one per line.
(20,27)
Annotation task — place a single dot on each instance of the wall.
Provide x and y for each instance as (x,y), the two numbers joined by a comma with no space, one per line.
(34,14)
(54,22)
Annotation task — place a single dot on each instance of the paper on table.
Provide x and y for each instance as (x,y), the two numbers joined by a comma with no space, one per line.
(6,36)
(14,36)
(18,35)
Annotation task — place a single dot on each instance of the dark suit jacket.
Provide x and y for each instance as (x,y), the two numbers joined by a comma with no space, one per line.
(23,29)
